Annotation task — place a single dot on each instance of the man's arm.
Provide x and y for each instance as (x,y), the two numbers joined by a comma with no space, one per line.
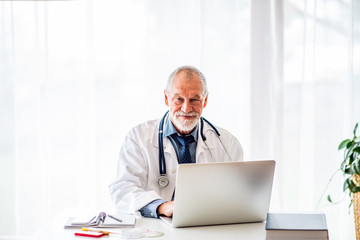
(158,207)
(128,191)
(150,210)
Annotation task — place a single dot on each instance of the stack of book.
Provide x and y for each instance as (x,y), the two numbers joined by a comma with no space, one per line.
(309,226)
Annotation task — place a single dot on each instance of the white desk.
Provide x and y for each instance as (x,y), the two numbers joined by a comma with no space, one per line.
(54,230)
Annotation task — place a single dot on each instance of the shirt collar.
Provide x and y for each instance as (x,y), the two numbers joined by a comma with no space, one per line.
(170,130)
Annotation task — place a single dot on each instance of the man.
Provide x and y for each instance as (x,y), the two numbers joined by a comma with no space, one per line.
(137,185)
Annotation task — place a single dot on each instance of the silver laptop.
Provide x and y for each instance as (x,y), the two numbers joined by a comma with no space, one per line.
(222,193)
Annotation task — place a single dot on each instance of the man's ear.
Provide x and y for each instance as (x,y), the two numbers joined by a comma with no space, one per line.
(205,101)
(166,99)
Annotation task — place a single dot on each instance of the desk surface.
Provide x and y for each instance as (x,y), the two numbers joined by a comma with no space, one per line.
(255,231)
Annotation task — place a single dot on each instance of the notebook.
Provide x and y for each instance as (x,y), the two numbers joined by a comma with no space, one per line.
(222,193)
(101,220)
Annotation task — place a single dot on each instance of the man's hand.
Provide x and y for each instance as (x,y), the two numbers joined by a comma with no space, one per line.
(166,209)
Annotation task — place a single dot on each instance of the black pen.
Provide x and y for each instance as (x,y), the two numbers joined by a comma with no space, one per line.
(117,219)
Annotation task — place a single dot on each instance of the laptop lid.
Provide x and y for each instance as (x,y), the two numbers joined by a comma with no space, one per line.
(222,193)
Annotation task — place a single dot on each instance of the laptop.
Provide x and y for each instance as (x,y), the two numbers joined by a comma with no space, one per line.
(222,193)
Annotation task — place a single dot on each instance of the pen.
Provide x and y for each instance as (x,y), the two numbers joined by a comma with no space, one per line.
(117,219)
(98,230)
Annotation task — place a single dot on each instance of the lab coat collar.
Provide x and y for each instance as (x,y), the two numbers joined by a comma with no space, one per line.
(208,131)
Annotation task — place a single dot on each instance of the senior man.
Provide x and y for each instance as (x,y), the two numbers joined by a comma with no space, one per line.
(143,182)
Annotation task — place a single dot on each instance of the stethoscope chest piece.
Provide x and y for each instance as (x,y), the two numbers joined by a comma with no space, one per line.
(163,181)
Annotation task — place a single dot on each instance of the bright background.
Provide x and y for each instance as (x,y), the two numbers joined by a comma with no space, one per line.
(75,76)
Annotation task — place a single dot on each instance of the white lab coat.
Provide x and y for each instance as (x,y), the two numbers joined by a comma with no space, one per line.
(137,185)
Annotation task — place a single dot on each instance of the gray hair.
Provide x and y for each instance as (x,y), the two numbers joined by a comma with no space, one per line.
(189,70)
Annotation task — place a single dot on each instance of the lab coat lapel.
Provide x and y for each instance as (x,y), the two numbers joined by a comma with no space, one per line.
(171,162)
(202,151)
(168,148)
(155,136)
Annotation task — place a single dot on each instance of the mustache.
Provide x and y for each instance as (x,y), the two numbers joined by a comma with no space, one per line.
(190,114)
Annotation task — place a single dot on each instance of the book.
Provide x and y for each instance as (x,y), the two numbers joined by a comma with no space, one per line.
(102,220)
(281,226)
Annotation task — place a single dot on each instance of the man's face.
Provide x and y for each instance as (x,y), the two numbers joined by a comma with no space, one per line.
(185,101)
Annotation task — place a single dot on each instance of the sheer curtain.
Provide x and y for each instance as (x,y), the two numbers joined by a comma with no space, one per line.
(75,76)
(321,104)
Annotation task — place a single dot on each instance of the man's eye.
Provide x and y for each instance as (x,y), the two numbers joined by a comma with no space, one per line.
(195,101)
(178,100)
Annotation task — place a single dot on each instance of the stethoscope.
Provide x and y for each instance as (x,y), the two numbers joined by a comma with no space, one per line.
(163,180)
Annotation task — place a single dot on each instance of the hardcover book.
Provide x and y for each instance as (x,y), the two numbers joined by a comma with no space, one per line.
(281,226)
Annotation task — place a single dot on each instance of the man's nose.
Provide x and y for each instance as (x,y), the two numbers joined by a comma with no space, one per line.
(186,107)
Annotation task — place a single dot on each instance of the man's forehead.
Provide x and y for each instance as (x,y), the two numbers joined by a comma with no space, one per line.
(195,95)
(189,85)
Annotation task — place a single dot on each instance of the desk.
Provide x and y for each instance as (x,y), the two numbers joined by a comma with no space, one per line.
(54,230)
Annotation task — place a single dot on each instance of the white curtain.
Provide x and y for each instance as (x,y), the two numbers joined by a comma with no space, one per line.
(321,103)
(75,76)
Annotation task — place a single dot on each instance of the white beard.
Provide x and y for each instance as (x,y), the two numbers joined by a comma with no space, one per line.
(185,125)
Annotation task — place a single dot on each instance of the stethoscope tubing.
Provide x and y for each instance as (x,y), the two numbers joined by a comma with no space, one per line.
(162,162)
